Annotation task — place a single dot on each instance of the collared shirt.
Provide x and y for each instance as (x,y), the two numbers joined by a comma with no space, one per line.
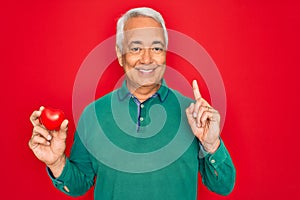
(141,118)
(141,151)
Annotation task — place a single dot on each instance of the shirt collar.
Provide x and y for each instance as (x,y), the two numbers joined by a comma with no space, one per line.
(162,92)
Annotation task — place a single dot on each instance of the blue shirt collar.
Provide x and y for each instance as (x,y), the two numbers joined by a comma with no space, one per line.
(162,92)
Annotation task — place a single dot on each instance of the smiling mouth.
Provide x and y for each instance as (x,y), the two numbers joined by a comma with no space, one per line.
(146,71)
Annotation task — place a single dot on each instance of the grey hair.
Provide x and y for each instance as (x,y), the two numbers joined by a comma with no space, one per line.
(135,12)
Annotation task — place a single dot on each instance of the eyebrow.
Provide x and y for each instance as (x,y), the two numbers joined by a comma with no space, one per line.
(140,42)
(158,42)
(135,42)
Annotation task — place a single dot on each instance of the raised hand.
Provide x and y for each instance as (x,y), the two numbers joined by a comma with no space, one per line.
(49,147)
(204,121)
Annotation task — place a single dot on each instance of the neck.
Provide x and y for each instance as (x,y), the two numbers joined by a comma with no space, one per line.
(142,93)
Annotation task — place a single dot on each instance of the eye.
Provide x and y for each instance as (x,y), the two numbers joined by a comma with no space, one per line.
(157,49)
(135,49)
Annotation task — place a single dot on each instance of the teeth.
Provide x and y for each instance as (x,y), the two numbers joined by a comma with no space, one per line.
(146,70)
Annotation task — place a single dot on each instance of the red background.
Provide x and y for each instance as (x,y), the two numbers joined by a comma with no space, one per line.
(255,45)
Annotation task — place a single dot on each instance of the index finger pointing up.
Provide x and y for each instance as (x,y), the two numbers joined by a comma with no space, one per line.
(196,91)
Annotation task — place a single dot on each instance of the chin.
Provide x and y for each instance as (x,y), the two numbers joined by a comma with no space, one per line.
(149,83)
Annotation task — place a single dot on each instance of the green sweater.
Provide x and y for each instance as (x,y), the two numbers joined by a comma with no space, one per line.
(131,150)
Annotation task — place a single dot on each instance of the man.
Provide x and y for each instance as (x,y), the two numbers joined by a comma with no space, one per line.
(127,118)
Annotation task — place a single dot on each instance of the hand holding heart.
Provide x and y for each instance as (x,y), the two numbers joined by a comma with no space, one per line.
(204,121)
(52,118)
(49,145)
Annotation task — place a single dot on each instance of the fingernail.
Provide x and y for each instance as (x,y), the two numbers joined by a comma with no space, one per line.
(49,137)
(194,114)
(198,125)
(48,143)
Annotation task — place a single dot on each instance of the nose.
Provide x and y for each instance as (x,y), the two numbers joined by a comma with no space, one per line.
(146,57)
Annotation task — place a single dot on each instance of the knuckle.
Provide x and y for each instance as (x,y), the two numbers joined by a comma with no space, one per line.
(34,114)
(29,144)
(35,129)
(204,116)
(199,100)
(199,117)
(202,109)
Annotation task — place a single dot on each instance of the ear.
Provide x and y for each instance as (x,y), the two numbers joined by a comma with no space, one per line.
(119,55)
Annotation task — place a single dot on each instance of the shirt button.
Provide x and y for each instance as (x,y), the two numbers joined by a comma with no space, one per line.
(212,161)
(141,119)
(142,105)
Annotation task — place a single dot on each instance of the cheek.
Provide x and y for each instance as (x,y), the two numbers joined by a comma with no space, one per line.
(130,61)
(161,59)
(129,64)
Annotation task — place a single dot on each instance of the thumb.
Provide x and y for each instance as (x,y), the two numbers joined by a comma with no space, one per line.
(62,133)
(64,126)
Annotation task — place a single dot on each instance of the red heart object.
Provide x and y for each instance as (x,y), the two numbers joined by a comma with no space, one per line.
(52,118)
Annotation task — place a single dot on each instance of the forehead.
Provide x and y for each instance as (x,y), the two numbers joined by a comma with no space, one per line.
(143,29)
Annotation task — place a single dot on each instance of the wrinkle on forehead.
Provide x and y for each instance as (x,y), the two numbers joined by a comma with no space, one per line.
(144,36)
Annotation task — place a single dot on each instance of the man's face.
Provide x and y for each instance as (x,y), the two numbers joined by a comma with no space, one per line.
(144,52)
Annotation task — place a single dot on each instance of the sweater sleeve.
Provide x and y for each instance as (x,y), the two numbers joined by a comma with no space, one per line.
(217,170)
(78,174)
